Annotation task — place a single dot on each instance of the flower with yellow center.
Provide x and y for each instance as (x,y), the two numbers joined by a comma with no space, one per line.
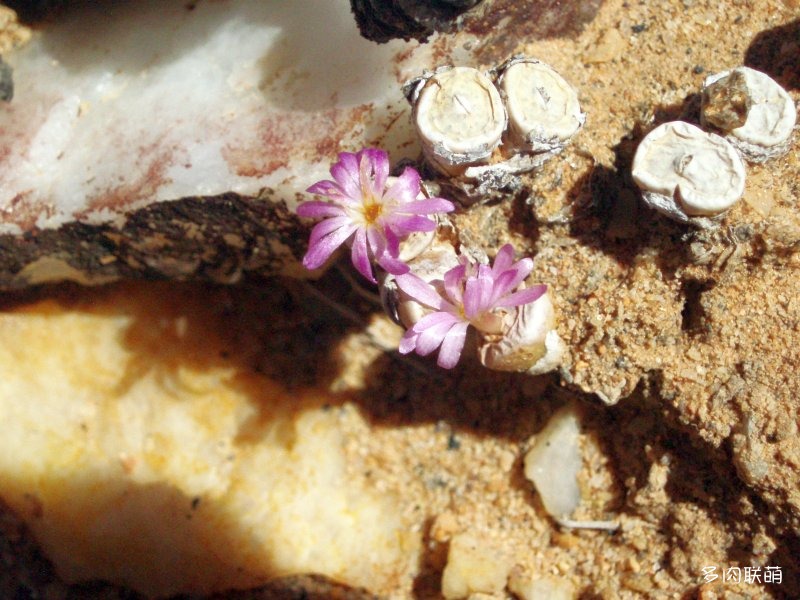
(470,294)
(367,211)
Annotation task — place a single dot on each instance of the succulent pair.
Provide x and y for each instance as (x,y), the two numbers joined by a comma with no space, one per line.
(694,176)
(481,130)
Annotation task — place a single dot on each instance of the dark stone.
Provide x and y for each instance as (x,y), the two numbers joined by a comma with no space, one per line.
(34,10)
(6,81)
(385,20)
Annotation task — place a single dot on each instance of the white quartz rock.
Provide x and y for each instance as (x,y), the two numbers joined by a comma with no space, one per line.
(474,566)
(135,455)
(548,587)
(553,463)
(167,103)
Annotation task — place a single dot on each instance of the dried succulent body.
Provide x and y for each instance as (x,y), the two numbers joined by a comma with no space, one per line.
(687,174)
(530,343)
(459,117)
(752,110)
(543,109)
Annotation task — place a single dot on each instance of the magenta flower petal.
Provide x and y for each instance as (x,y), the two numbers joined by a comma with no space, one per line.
(453,284)
(503,259)
(327,188)
(428,333)
(405,188)
(421,291)
(433,319)
(408,343)
(315,209)
(325,228)
(360,255)
(404,226)
(392,242)
(452,345)
(349,162)
(429,206)
(521,297)
(322,249)
(346,174)
(374,167)
(510,279)
(477,296)
(395,266)
(431,338)
(377,242)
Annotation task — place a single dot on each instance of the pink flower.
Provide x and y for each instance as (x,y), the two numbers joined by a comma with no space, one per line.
(367,215)
(471,294)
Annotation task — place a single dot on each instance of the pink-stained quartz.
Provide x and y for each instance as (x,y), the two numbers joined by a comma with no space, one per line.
(368,211)
(470,294)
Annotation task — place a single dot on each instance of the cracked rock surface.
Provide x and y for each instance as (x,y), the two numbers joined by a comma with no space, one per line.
(176,102)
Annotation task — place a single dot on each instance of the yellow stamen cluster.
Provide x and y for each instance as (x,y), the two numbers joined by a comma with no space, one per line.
(372,212)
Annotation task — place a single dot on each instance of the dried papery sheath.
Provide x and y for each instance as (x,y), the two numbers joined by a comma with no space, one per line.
(752,110)
(415,244)
(459,117)
(430,265)
(543,109)
(687,174)
(529,343)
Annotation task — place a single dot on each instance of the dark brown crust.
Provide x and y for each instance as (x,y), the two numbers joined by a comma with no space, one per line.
(30,11)
(500,24)
(213,239)
(382,21)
